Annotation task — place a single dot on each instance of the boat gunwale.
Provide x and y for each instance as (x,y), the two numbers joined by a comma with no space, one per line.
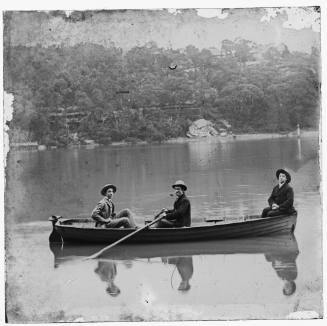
(175,229)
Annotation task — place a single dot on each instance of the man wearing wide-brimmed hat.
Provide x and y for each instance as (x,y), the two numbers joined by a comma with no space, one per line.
(282,197)
(180,215)
(104,212)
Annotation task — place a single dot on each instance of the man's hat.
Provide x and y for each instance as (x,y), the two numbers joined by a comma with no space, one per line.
(106,187)
(180,183)
(288,176)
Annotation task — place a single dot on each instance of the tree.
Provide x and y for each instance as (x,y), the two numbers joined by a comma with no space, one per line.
(243,50)
(270,94)
(245,105)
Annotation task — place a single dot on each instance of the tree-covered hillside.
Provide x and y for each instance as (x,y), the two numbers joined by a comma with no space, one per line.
(68,94)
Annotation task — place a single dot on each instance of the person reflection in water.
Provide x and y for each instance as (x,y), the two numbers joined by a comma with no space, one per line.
(107,272)
(282,197)
(285,266)
(184,266)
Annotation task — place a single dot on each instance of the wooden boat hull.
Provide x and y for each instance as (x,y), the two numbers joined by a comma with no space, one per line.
(84,231)
(276,244)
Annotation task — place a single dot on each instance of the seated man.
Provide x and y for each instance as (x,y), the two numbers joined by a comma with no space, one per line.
(282,197)
(104,212)
(181,214)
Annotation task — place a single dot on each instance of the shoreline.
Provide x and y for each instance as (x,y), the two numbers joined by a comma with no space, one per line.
(178,140)
(246,136)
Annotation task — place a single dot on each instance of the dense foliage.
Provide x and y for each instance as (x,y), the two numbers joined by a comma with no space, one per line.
(66,94)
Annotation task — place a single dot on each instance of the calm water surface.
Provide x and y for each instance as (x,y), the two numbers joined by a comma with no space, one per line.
(270,277)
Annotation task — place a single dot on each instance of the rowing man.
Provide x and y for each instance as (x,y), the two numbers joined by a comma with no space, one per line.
(282,197)
(180,215)
(104,212)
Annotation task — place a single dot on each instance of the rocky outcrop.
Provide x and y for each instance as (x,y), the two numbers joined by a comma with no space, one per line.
(205,128)
(201,128)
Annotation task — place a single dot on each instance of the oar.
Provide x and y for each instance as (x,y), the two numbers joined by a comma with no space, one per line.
(157,218)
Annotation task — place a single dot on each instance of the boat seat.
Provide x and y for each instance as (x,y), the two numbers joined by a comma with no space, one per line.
(215,220)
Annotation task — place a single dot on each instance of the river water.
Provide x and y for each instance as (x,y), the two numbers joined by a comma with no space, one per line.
(269,277)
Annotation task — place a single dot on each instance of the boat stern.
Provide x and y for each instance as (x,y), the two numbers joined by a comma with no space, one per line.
(54,236)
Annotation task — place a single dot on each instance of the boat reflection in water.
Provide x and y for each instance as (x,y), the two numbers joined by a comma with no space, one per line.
(280,251)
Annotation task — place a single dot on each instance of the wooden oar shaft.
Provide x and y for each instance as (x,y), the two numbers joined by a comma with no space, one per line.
(99,253)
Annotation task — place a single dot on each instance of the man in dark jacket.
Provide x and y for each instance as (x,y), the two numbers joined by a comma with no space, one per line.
(282,197)
(181,214)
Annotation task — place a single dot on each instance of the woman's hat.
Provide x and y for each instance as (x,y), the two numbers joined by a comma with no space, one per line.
(106,187)
(288,176)
(180,183)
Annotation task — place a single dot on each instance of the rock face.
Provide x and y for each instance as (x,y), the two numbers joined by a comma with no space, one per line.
(205,128)
(201,128)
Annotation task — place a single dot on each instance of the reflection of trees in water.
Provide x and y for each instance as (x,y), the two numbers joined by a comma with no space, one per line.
(305,151)
(184,267)
(256,154)
(203,154)
(304,168)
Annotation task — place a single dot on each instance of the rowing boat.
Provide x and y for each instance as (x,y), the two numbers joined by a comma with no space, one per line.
(83,230)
